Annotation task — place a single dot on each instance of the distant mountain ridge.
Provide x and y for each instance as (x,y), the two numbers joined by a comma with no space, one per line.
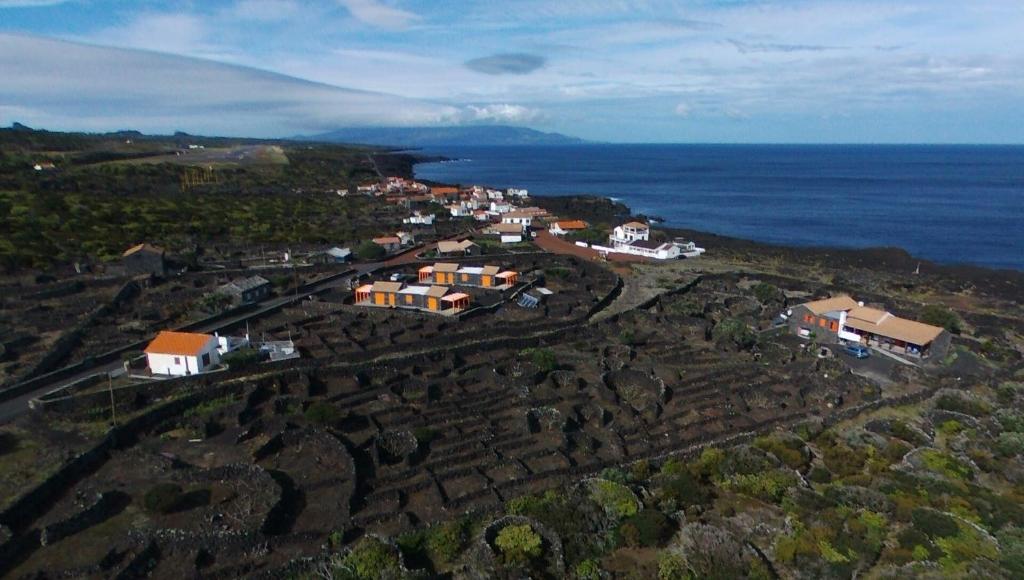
(444,136)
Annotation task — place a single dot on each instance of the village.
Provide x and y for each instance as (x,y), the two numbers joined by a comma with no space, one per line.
(488,349)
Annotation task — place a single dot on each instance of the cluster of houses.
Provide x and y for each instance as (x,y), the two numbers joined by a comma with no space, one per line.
(435,291)
(844,320)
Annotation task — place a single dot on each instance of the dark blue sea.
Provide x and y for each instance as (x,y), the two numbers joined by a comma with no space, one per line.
(949,204)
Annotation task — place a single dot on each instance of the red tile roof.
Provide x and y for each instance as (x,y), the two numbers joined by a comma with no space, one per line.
(179,343)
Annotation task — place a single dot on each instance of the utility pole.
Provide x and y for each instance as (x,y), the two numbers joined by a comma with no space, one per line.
(113,409)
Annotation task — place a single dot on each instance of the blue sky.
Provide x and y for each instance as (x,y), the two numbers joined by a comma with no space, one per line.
(913,71)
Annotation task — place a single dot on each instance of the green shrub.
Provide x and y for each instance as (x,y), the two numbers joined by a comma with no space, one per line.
(672,566)
(241,359)
(768,486)
(370,252)
(951,427)
(767,293)
(1010,420)
(617,499)
(734,331)
(1011,550)
(614,474)
(323,413)
(1010,444)
(445,541)
(961,404)
(543,358)
(163,498)
(369,559)
(933,523)
(937,315)
(588,569)
(685,489)
(519,543)
(788,451)
(646,529)
(946,464)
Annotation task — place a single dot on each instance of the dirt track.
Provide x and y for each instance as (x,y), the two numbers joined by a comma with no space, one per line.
(556,245)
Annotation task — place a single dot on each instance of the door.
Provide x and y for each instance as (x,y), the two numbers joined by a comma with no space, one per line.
(378,298)
(451,277)
(391,299)
(485,281)
(439,277)
(432,303)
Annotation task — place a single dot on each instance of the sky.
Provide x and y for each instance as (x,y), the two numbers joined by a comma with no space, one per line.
(737,71)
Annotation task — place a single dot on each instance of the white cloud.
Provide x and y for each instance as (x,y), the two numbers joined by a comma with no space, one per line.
(499,113)
(65,85)
(683,110)
(379,14)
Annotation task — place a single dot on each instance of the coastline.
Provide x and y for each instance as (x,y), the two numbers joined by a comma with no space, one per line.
(1007,283)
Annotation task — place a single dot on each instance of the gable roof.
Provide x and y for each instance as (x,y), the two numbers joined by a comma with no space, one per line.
(836,303)
(572,225)
(241,285)
(449,246)
(490,270)
(635,225)
(437,291)
(179,343)
(446,267)
(339,252)
(382,286)
(387,240)
(895,327)
(507,228)
(143,247)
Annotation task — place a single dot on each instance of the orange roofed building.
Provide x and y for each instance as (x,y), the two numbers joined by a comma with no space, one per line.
(178,354)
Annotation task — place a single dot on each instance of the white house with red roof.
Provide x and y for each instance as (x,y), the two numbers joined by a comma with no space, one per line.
(178,354)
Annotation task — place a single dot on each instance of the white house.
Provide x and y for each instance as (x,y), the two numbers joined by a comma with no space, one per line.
(417,218)
(406,238)
(182,353)
(501,207)
(511,238)
(560,228)
(460,210)
(630,232)
(513,192)
(518,218)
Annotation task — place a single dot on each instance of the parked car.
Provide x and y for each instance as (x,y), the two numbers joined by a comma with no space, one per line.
(397,277)
(857,351)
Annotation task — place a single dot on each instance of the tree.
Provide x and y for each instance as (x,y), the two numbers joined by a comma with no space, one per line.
(938,315)
(519,544)
(370,251)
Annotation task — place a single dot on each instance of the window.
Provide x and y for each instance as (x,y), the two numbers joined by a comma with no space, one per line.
(821,322)
(206,358)
(177,360)
(408,299)
(465,277)
(834,327)
(808,318)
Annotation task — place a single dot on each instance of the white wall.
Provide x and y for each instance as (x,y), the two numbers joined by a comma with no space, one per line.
(164,364)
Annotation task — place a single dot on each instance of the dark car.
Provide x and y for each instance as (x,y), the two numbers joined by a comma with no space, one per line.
(857,351)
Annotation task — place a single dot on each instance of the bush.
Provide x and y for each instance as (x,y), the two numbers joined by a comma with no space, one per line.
(519,543)
(241,358)
(616,499)
(767,293)
(933,523)
(445,541)
(588,569)
(946,464)
(370,252)
(369,559)
(646,529)
(543,358)
(1011,556)
(960,404)
(734,331)
(685,489)
(769,486)
(323,413)
(1010,444)
(938,315)
(163,498)
(788,451)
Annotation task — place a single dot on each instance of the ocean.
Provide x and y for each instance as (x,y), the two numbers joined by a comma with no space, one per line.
(949,204)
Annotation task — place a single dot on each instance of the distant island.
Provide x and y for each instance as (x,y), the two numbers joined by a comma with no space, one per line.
(473,135)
